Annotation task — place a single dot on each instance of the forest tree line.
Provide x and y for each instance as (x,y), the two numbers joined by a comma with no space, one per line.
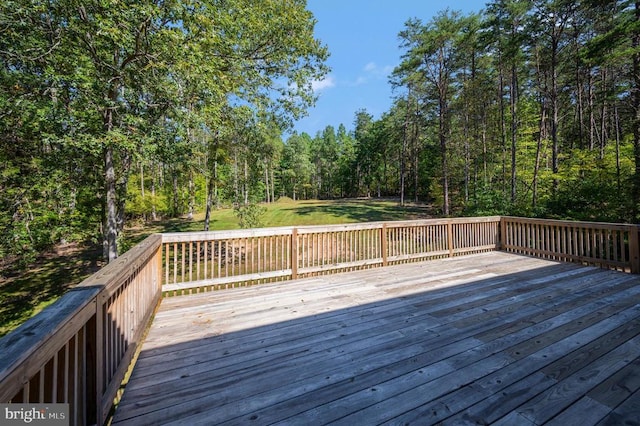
(530,107)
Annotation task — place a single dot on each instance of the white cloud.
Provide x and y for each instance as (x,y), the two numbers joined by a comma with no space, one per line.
(370,67)
(378,72)
(388,70)
(325,83)
(360,80)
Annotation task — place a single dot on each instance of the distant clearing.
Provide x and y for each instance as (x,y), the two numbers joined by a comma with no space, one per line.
(25,293)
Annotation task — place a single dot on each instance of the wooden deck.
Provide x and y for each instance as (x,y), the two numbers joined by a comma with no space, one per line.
(493,338)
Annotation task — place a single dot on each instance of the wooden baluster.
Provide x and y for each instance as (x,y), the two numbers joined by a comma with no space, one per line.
(205,260)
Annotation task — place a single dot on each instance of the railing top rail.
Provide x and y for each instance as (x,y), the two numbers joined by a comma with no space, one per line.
(114,274)
(180,237)
(571,223)
(185,237)
(32,338)
(442,221)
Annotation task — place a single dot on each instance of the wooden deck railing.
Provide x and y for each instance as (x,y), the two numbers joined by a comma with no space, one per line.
(607,245)
(78,350)
(202,261)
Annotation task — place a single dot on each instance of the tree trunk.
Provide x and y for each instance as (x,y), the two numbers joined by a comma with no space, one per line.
(536,167)
(236,183)
(192,195)
(467,156)
(636,124)
(245,184)
(110,244)
(121,191)
(503,128)
(514,129)
(485,151)
(403,153)
(212,184)
(416,176)
(144,213)
(154,215)
(111,210)
(266,182)
(207,214)
(603,114)
(618,140)
(174,182)
(542,88)
(443,153)
(579,93)
(592,119)
(554,116)
(142,179)
(273,185)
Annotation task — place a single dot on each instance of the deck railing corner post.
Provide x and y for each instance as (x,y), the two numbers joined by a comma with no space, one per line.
(634,249)
(502,234)
(159,265)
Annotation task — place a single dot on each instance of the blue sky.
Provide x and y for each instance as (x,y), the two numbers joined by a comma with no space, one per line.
(362,37)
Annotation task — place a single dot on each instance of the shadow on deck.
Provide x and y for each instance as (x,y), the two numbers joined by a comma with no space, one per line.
(482,339)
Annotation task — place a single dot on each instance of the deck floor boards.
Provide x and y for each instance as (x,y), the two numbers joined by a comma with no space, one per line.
(493,338)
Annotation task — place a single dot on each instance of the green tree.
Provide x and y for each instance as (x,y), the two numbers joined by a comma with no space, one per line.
(296,167)
(432,56)
(98,79)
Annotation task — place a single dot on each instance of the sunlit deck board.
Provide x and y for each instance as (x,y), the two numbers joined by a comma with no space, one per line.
(482,338)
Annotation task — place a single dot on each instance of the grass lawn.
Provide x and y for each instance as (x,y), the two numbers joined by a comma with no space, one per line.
(25,293)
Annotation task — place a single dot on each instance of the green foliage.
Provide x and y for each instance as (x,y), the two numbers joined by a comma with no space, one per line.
(488,201)
(88,91)
(249,215)
(525,109)
(592,190)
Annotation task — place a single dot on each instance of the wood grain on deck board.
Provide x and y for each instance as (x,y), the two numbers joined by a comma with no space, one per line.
(484,338)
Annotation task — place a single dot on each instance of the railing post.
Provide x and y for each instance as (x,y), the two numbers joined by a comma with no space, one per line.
(294,253)
(93,389)
(98,357)
(159,270)
(383,242)
(450,237)
(634,249)
(502,234)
